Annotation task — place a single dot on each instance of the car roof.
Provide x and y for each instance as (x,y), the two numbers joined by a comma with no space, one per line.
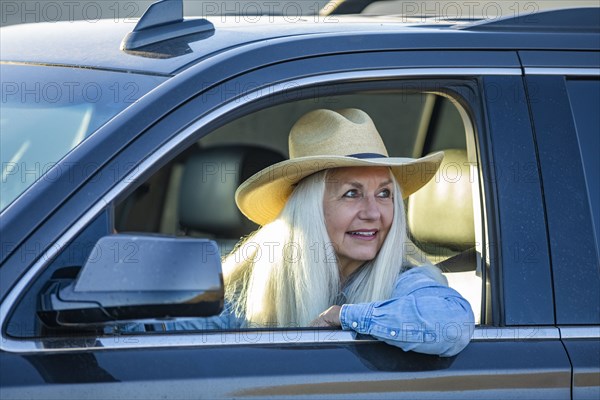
(97,44)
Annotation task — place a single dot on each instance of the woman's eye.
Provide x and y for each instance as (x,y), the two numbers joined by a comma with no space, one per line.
(385,194)
(353,193)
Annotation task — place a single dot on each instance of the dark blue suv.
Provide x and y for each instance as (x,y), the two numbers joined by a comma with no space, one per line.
(123,142)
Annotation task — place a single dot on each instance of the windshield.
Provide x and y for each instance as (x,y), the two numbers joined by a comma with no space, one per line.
(47,111)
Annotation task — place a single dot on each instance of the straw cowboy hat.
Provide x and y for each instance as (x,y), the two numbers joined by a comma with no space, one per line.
(324,139)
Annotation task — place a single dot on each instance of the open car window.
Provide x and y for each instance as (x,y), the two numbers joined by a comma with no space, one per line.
(192,196)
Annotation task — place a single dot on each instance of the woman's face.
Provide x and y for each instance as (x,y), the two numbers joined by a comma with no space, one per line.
(358,208)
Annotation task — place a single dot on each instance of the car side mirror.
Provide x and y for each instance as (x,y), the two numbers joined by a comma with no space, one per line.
(136,277)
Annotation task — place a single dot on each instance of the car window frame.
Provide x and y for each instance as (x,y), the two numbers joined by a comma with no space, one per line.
(206,123)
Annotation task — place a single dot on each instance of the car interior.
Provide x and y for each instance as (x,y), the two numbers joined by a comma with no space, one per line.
(193,195)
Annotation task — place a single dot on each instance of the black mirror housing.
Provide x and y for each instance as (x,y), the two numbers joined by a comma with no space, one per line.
(137,277)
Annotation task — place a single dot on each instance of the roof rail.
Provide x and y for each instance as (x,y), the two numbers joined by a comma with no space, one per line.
(163,21)
(579,20)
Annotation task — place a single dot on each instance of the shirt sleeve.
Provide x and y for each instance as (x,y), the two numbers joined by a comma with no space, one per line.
(423,315)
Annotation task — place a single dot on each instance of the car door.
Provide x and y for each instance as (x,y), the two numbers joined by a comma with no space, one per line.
(515,351)
(564,98)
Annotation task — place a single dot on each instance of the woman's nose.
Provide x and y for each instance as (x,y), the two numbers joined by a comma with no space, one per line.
(370,208)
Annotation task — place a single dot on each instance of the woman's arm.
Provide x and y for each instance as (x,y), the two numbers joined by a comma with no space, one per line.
(423,315)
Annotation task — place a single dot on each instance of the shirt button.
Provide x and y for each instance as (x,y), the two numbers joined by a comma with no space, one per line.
(393,333)
(354,324)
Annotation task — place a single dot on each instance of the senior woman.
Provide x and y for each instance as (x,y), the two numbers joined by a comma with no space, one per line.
(331,248)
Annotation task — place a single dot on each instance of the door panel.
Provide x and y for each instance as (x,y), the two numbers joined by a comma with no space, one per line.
(533,368)
(584,354)
(499,363)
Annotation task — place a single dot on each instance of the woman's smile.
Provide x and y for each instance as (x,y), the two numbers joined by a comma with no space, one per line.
(363,234)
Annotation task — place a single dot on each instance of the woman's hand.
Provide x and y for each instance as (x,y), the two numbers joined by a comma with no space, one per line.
(328,318)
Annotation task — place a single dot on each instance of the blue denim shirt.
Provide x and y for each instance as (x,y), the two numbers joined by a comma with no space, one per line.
(423,315)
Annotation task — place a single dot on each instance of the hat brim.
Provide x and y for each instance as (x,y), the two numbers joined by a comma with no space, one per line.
(262,196)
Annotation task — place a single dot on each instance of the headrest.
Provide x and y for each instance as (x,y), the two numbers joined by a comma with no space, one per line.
(210,179)
(441,213)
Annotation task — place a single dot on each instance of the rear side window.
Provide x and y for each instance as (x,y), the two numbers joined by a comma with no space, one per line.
(584,96)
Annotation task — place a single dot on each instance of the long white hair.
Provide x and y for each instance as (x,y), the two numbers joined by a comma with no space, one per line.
(286,273)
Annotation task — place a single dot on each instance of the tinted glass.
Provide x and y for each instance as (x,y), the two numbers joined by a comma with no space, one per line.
(48,111)
(585,103)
